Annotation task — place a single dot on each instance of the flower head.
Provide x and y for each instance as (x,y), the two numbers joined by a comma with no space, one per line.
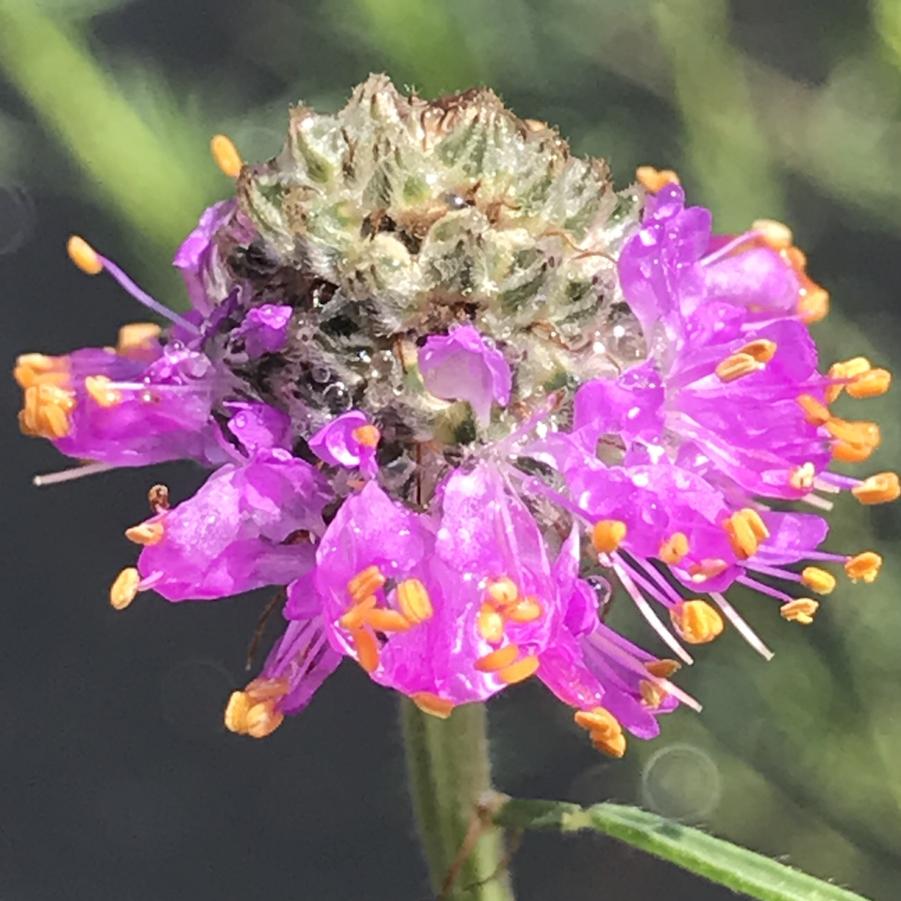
(451,386)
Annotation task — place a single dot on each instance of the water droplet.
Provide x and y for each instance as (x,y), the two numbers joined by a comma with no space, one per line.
(682,782)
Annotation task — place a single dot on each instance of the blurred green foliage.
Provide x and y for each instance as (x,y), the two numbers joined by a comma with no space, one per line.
(768,109)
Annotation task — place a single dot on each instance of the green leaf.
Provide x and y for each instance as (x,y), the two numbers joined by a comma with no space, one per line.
(712,858)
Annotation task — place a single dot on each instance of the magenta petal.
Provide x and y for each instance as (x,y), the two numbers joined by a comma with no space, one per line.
(338,445)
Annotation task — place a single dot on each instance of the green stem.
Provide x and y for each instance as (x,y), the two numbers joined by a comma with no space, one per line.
(449,773)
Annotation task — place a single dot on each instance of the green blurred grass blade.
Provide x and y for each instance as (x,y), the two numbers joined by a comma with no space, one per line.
(130,166)
(704,855)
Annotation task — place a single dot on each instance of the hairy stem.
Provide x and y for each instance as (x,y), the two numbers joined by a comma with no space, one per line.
(449,773)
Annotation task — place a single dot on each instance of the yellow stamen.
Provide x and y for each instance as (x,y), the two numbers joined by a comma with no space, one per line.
(774,234)
(708,568)
(262,719)
(46,411)
(84,256)
(99,391)
(881,488)
(367,648)
(367,435)
(615,746)
(490,624)
(146,533)
(526,610)
(818,580)
(497,660)
(502,591)
(802,477)
(414,601)
(846,452)
(673,549)
(39,369)
(125,588)
(353,619)
(800,611)
(663,668)
(860,432)
(655,180)
(267,689)
(226,155)
(365,583)
(863,567)
(652,695)
(386,620)
(761,350)
(137,338)
(696,621)
(742,536)
(737,366)
(813,303)
(844,370)
(816,413)
(607,535)
(519,671)
(871,384)
(599,720)
(432,704)
(236,712)
(755,521)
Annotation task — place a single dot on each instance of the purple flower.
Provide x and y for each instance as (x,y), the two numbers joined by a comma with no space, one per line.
(349,440)
(265,329)
(463,366)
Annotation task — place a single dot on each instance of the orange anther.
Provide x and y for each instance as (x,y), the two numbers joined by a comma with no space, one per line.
(845,452)
(263,719)
(813,303)
(800,611)
(519,671)
(860,432)
(737,366)
(146,533)
(708,568)
(385,620)
(414,601)
(353,619)
(654,180)
(608,534)
(526,610)
(818,580)
(881,488)
(497,660)
(871,384)
(664,668)
(674,549)
(46,410)
(236,712)
(599,720)
(762,350)
(815,412)
(502,591)
(367,648)
(863,567)
(652,695)
(742,535)
(98,389)
(490,624)
(138,339)
(226,155)
(615,746)
(775,234)
(39,369)
(696,621)
(125,588)
(365,583)
(367,435)
(432,704)
(84,256)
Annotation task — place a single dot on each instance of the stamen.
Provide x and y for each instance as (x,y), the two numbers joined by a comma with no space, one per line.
(39,369)
(99,390)
(737,366)
(882,488)
(846,452)
(88,260)
(125,588)
(490,624)
(353,619)
(226,155)
(654,180)
(746,632)
(367,649)
(696,621)
(802,477)
(263,719)
(432,704)
(652,695)
(497,660)
(236,712)
(367,435)
(673,549)
(414,601)
(137,338)
(818,580)
(741,535)
(816,413)
(146,533)
(863,567)
(607,535)
(843,371)
(755,521)
(385,620)
(69,475)
(800,611)
(604,729)
(502,591)
(523,669)
(526,610)
(762,350)
(365,583)
(775,234)
(46,410)
(663,668)
(858,432)
(706,569)
(871,384)
(158,498)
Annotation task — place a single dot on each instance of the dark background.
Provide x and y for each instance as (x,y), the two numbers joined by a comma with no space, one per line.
(118,778)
